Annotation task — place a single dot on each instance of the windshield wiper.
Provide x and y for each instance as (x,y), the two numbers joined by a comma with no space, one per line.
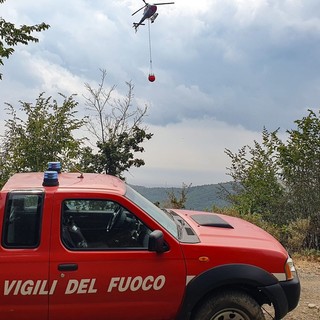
(175,219)
(179,228)
(168,213)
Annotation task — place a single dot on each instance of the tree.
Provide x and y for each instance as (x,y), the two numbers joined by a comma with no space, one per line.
(256,180)
(10,36)
(176,202)
(43,134)
(300,163)
(281,181)
(117,127)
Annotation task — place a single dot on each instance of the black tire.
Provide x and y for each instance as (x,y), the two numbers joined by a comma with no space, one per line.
(230,305)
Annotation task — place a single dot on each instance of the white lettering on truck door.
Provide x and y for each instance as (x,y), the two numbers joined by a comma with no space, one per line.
(29,287)
(123,284)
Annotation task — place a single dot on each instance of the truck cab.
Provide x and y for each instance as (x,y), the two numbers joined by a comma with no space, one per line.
(81,246)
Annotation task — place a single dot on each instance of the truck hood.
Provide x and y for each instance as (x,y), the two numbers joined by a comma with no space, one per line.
(224,231)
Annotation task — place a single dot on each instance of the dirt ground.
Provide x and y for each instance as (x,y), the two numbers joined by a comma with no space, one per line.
(309,305)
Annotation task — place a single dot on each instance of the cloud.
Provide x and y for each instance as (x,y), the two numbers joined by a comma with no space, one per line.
(236,65)
(189,152)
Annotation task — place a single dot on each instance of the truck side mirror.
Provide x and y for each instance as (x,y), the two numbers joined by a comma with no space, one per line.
(156,242)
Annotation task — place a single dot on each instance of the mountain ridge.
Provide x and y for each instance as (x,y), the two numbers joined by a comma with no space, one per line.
(203,197)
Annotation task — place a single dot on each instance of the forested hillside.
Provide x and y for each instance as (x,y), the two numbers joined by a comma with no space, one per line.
(198,197)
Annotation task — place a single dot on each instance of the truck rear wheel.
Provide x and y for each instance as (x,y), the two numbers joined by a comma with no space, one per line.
(230,305)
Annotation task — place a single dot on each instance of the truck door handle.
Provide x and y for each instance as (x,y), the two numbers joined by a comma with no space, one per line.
(68,267)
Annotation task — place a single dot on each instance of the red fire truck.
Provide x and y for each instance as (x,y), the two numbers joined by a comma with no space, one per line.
(87,246)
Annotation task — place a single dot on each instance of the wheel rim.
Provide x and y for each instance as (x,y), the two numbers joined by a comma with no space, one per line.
(230,314)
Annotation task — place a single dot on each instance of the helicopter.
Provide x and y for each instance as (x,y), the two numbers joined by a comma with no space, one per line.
(148,13)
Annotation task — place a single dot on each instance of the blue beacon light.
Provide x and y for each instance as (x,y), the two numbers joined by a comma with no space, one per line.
(54,166)
(50,178)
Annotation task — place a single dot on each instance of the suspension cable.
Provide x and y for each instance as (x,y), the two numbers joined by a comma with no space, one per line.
(150,51)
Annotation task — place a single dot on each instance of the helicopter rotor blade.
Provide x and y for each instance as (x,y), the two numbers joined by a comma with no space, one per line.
(158,4)
(139,10)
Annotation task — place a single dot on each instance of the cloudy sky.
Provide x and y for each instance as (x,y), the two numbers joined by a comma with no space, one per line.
(224,69)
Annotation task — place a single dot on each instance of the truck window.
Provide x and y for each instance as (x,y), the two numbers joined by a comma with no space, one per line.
(153,211)
(101,225)
(22,220)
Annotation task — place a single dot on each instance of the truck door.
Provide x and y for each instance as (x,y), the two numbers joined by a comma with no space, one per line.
(104,270)
(24,257)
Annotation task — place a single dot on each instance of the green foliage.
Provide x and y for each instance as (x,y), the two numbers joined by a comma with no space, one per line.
(300,163)
(44,133)
(117,126)
(281,182)
(255,173)
(178,202)
(296,234)
(117,155)
(256,219)
(308,254)
(293,236)
(10,36)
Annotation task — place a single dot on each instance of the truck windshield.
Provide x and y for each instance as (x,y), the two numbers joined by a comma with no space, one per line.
(152,210)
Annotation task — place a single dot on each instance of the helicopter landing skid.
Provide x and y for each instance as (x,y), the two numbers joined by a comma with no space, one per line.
(154,17)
